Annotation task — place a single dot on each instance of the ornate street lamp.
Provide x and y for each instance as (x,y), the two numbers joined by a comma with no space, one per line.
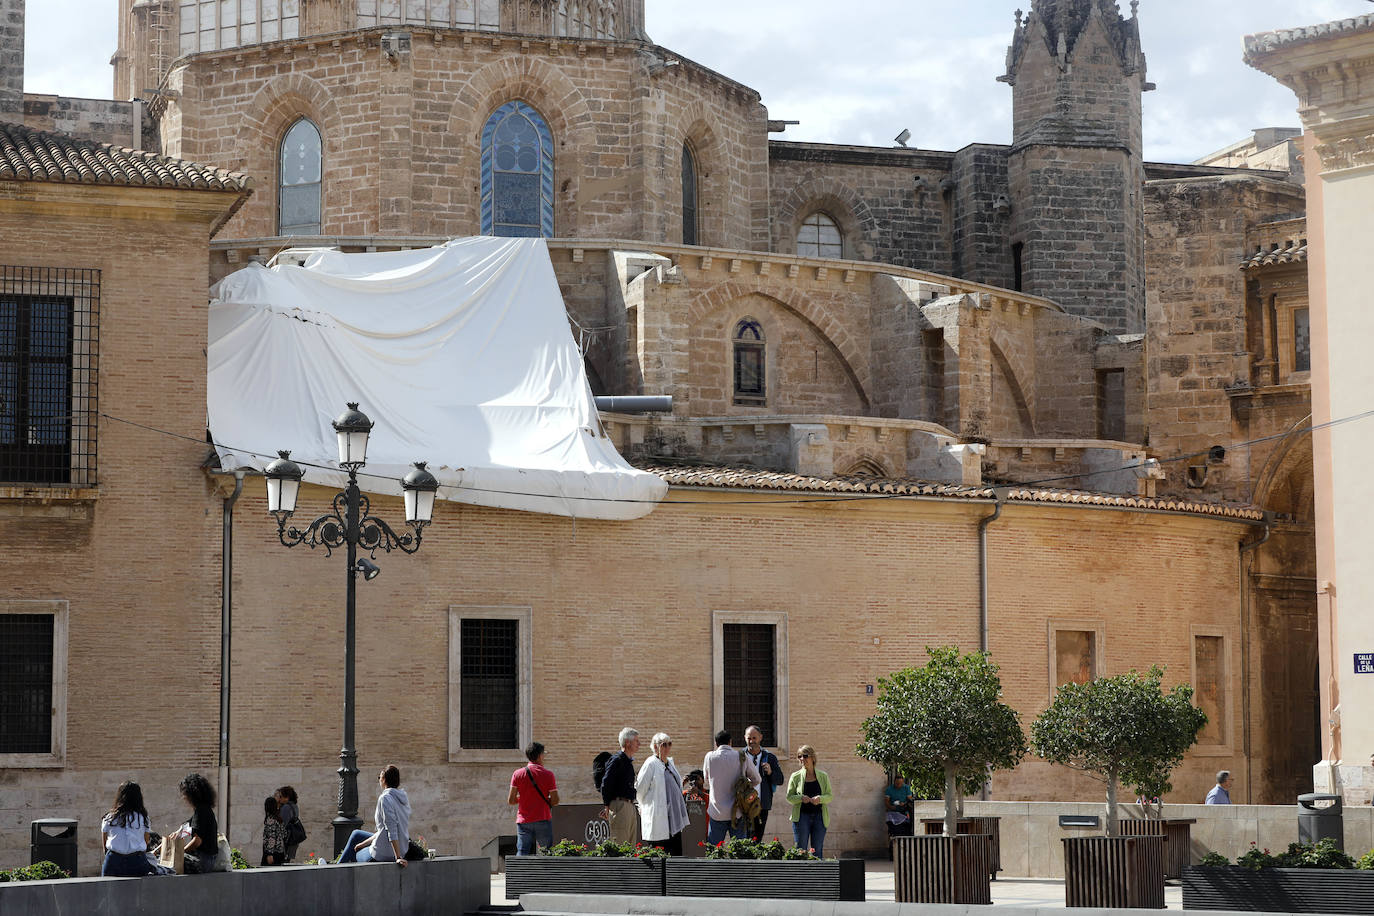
(349,525)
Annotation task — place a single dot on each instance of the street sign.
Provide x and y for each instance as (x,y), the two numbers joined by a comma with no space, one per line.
(1364,662)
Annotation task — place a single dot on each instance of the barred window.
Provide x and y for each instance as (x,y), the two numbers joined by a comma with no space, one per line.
(749,362)
(750,678)
(689,196)
(819,237)
(517,173)
(299,204)
(33,683)
(48,331)
(489,683)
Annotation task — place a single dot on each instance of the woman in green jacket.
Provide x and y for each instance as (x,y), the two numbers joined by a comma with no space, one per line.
(808,790)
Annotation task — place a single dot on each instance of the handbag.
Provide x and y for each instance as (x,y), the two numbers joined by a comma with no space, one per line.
(415,852)
(295,832)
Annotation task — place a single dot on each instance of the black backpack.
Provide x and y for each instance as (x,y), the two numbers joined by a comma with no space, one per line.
(599,768)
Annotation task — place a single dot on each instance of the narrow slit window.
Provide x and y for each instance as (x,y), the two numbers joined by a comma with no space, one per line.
(689,197)
(1302,341)
(750,364)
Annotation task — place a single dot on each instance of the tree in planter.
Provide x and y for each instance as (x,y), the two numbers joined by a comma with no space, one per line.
(948,718)
(1122,728)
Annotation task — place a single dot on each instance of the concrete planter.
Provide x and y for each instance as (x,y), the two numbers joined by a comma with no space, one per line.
(828,879)
(1120,871)
(584,875)
(943,869)
(1278,890)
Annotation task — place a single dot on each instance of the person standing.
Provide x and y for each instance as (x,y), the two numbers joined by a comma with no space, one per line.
(534,791)
(662,809)
(618,788)
(723,767)
(770,776)
(124,831)
(291,817)
(273,833)
(1221,792)
(808,789)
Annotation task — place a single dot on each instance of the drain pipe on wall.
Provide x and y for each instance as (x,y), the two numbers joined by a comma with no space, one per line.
(983,524)
(225,620)
(1245,653)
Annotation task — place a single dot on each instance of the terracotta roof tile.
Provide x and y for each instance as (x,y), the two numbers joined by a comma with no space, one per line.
(27,154)
(1283,38)
(754,479)
(1295,253)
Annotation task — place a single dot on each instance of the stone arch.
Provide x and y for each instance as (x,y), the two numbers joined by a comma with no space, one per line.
(825,325)
(1003,365)
(865,465)
(695,130)
(1284,482)
(839,201)
(546,89)
(278,104)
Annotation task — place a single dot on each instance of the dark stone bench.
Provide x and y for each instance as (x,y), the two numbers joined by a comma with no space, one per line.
(452,886)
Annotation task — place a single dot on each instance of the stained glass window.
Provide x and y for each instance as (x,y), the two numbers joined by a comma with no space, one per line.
(689,196)
(302,166)
(517,173)
(750,369)
(819,238)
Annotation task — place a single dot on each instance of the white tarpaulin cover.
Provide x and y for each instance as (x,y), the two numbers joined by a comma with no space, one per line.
(461,355)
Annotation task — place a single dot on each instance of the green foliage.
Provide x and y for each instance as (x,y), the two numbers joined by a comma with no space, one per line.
(1120,729)
(40,871)
(610,849)
(1214,860)
(237,859)
(745,848)
(1322,854)
(946,717)
(1366,861)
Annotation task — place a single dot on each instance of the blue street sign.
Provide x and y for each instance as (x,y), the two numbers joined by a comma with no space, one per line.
(1364,662)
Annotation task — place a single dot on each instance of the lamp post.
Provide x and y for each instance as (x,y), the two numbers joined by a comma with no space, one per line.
(351,525)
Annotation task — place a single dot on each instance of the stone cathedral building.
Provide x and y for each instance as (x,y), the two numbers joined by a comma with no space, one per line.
(1028,351)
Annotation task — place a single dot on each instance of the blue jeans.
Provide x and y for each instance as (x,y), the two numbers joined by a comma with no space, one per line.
(532,834)
(809,832)
(126,865)
(717,831)
(349,854)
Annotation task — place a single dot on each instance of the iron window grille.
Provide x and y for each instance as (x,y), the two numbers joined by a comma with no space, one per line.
(49,344)
(26,683)
(750,675)
(750,366)
(489,712)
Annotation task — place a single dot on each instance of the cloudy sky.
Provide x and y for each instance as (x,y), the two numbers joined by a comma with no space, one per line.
(860,71)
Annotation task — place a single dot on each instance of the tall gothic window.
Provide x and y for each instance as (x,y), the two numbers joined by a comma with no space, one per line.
(819,238)
(298,204)
(689,196)
(517,173)
(749,363)
(584,19)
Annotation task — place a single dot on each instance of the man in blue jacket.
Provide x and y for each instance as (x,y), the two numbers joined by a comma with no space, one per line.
(770,776)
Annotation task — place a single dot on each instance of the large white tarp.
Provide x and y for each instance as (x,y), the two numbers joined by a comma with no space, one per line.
(461,355)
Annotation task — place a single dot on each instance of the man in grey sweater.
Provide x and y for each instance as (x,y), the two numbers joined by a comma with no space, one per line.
(392,839)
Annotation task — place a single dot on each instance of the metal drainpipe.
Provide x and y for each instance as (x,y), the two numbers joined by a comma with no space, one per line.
(226,608)
(1245,655)
(983,524)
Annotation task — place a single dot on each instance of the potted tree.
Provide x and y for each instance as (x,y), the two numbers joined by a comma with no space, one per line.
(945,718)
(1122,728)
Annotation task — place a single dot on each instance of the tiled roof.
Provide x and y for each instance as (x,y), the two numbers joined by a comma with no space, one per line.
(36,155)
(1282,38)
(754,479)
(1295,253)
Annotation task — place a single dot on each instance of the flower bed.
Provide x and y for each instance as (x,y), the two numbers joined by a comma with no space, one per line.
(571,868)
(1317,878)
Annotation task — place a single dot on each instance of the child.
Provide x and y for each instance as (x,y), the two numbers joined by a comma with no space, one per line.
(291,817)
(124,831)
(273,833)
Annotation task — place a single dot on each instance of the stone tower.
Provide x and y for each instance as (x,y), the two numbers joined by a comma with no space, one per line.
(12,60)
(1075,172)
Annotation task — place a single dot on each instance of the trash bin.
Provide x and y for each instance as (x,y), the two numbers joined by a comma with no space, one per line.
(53,839)
(1320,823)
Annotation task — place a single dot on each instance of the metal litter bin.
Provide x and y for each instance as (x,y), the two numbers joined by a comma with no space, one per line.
(1320,823)
(53,839)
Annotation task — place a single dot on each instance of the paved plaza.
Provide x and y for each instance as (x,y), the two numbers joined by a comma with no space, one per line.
(1039,893)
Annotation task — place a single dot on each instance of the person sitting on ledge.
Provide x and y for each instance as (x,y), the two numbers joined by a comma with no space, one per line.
(392,817)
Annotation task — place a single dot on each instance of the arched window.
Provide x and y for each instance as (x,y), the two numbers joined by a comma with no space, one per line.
(749,363)
(302,164)
(819,238)
(689,196)
(517,173)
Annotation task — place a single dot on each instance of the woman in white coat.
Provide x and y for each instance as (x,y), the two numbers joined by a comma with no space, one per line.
(662,809)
